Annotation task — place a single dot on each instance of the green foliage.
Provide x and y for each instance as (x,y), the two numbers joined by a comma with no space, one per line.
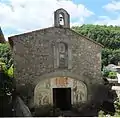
(112,75)
(6,61)
(109,73)
(6,70)
(3,66)
(108,36)
(105,72)
(5,54)
(10,71)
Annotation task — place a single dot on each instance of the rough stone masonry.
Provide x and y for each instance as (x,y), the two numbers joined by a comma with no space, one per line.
(57,57)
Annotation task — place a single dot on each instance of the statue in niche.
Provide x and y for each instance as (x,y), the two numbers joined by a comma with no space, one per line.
(63,53)
(40,98)
(74,84)
(43,98)
(46,99)
(47,83)
(78,91)
(79,95)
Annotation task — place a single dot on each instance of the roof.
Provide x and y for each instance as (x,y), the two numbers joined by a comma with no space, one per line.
(27,33)
(2,39)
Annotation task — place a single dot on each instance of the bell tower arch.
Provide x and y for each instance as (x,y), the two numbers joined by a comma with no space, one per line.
(61,18)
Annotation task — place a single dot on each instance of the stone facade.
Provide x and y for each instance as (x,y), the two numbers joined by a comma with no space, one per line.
(56,52)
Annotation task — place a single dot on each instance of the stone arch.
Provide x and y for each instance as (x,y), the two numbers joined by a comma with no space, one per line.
(62,73)
(65,16)
(43,89)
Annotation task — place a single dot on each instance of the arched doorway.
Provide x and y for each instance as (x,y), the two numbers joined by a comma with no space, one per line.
(62,92)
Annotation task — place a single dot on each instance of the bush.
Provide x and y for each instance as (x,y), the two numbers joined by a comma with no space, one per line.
(112,75)
(105,72)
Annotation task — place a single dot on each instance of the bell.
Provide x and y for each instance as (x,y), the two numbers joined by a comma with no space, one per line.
(61,18)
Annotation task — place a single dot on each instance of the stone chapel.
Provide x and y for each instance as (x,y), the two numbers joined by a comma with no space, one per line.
(57,66)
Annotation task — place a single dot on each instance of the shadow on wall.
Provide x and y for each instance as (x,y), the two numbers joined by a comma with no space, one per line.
(5,107)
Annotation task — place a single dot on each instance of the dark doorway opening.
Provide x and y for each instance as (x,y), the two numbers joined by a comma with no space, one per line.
(62,98)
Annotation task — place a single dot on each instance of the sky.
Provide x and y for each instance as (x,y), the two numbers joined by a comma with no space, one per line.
(19,16)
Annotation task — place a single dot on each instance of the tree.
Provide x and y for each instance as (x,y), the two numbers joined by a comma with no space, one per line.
(6,70)
(108,36)
(6,54)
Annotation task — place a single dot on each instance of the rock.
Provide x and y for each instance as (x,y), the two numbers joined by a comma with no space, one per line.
(20,109)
